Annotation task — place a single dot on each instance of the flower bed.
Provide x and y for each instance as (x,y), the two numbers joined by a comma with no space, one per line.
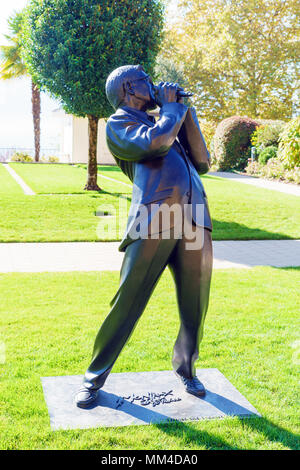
(274,169)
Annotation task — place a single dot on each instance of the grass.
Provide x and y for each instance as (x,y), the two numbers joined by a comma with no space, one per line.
(48,325)
(65,179)
(8,186)
(63,211)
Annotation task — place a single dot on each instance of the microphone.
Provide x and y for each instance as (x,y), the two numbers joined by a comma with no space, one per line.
(184,94)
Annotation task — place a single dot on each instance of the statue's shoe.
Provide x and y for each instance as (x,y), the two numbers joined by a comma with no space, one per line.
(193,386)
(85,397)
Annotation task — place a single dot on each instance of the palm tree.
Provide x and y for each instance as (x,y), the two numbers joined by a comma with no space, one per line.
(12,66)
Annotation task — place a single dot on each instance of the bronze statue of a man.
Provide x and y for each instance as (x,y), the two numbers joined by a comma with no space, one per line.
(163,159)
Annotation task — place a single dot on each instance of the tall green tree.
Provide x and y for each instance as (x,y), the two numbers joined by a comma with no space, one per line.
(71,46)
(12,66)
(239,56)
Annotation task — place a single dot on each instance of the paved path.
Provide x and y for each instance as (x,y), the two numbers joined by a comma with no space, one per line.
(260,182)
(99,256)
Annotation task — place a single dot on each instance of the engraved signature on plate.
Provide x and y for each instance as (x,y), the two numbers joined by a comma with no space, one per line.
(151,398)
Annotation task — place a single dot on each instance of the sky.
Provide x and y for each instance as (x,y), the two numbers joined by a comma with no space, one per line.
(16,128)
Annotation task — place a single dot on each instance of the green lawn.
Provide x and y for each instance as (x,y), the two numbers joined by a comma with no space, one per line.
(8,186)
(49,321)
(62,211)
(66,179)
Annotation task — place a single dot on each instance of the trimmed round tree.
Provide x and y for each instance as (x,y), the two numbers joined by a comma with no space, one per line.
(71,46)
(231,142)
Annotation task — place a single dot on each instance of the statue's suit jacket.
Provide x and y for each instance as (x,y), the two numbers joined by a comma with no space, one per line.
(161,158)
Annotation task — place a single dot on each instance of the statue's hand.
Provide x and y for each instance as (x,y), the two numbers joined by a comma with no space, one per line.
(166,92)
(180,99)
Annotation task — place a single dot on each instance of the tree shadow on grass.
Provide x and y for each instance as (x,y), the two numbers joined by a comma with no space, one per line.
(222,230)
(110,168)
(116,195)
(104,168)
(189,435)
(93,194)
(228,230)
(236,231)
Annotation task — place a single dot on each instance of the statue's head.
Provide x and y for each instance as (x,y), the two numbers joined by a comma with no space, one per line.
(130,85)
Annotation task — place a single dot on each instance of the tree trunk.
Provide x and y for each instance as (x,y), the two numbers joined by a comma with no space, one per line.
(36,112)
(91,184)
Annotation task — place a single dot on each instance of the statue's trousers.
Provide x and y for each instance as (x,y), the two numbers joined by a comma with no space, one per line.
(144,261)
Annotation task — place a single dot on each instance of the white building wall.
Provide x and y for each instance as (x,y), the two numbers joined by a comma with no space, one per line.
(80,142)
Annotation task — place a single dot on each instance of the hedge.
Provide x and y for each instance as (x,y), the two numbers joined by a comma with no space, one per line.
(231,142)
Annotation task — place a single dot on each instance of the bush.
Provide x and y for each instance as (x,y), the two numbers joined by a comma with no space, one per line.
(267,135)
(274,168)
(231,142)
(253,168)
(289,143)
(51,159)
(293,175)
(21,157)
(266,154)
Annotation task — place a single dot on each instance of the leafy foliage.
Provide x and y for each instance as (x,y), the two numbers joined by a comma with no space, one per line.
(21,157)
(239,57)
(289,145)
(12,65)
(50,159)
(208,129)
(267,153)
(167,71)
(231,142)
(267,135)
(71,46)
(274,169)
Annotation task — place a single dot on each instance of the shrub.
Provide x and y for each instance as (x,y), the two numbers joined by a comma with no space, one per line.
(53,159)
(253,168)
(21,157)
(267,135)
(266,154)
(289,143)
(293,175)
(231,142)
(274,169)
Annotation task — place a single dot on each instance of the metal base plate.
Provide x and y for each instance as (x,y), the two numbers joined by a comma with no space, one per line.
(136,398)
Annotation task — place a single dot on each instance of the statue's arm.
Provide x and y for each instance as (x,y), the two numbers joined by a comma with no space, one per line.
(132,140)
(191,138)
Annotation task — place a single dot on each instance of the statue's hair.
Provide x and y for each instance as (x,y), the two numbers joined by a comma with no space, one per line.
(115,81)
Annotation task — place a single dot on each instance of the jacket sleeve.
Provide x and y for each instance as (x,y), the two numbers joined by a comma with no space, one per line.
(191,138)
(129,139)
